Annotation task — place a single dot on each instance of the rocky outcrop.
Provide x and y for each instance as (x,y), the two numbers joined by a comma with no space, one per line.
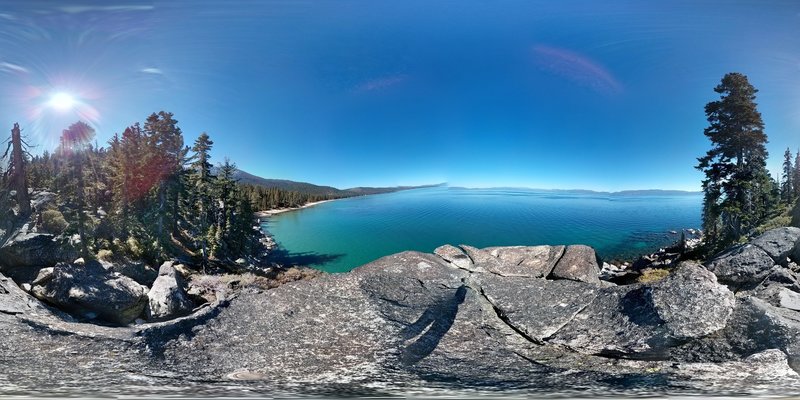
(464,318)
(167,298)
(29,249)
(90,291)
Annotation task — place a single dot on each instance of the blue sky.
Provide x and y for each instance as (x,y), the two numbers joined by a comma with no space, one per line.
(549,94)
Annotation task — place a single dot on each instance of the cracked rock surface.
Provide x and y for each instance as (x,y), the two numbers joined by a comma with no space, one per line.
(460,321)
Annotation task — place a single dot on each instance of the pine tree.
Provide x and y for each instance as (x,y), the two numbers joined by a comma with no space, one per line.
(796,175)
(734,201)
(73,148)
(201,187)
(787,188)
(168,156)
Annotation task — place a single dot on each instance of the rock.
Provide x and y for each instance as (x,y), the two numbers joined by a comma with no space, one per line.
(455,256)
(789,299)
(34,250)
(89,288)
(741,266)
(79,261)
(241,262)
(646,320)
(167,297)
(26,287)
(136,270)
(778,243)
(528,261)
(579,263)
(536,307)
(691,302)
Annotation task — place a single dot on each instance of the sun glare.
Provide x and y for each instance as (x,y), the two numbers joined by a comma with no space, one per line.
(62,101)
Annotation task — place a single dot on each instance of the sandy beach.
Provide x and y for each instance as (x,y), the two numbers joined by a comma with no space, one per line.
(275,211)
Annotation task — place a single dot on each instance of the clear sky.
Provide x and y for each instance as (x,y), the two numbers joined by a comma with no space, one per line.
(604,95)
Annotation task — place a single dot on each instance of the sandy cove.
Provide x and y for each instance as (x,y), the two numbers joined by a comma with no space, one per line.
(275,211)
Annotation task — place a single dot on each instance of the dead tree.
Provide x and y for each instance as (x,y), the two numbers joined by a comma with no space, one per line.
(16,175)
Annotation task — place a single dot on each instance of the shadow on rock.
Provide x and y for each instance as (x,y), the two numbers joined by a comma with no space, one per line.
(438,318)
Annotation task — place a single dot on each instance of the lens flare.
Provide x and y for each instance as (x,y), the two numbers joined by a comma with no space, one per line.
(62,101)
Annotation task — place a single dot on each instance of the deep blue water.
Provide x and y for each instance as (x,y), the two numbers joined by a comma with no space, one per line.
(340,235)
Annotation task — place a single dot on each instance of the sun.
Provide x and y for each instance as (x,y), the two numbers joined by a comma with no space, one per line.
(62,101)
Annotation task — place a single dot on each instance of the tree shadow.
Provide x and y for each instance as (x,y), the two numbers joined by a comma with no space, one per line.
(439,317)
(286,258)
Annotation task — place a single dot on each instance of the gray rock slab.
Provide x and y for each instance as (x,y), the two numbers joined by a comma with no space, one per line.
(741,265)
(527,261)
(536,307)
(579,263)
(778,243)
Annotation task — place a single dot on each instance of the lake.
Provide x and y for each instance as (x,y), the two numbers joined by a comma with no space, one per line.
(340,235)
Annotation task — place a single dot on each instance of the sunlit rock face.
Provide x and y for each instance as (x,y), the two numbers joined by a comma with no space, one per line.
(462,319)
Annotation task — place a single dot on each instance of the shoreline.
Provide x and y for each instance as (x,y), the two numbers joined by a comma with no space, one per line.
(276,211)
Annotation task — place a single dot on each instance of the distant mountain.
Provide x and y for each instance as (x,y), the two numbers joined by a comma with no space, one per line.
(283,184)
(310,188)
(655,192)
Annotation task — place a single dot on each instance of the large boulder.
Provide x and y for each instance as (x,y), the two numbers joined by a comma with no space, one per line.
(691,302)
(30,249)
(646,320)
(91,291)
(741,266)
(778,243)
(167,297)
(579,263)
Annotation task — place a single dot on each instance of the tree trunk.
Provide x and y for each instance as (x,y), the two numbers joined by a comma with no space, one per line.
(19,180)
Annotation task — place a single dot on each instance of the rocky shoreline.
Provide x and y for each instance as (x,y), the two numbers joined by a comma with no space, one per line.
(501,320)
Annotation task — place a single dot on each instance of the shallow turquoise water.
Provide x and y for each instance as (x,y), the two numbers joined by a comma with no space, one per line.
(340,235)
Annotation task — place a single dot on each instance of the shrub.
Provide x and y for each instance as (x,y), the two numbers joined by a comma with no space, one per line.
(135,249)
(652,275)
(105,255)
(53,222)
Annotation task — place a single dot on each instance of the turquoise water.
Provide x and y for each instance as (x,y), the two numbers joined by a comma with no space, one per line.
(340,235)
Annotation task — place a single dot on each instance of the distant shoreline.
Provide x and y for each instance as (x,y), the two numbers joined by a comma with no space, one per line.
(276,211)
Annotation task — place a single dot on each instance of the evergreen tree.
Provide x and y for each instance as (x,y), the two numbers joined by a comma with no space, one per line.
(167,158)
(787,188)
(796,175)
(735,167)
(74,148)
(201,187)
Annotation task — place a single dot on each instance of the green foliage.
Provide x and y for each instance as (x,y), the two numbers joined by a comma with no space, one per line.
(53,222)
(738,191)
(787,186)
(105,255)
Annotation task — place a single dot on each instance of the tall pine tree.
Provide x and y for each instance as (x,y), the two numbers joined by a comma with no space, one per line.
(787,187)
(201,187)
(735,167)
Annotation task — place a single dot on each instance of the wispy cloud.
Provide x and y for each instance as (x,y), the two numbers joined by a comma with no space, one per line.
(577,68)
(154,71)
(382,83)
(77,9)
(9,67)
